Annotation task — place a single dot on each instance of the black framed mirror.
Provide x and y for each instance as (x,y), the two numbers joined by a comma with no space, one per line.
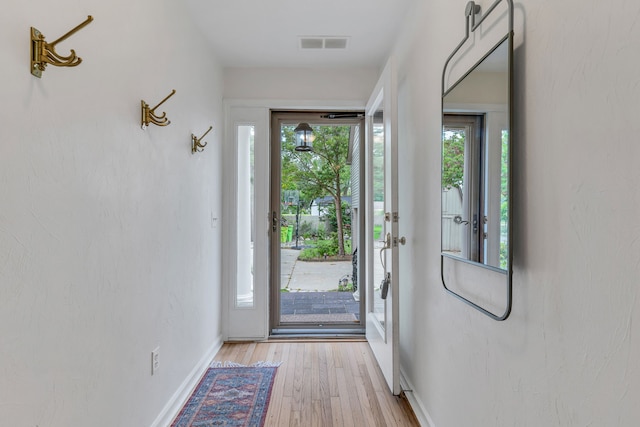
(476,238)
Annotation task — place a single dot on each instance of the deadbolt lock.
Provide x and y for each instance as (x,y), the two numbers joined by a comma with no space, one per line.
(402,240)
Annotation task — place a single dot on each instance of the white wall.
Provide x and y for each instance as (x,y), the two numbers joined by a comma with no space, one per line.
(300,84)
(568,354)
(107,248)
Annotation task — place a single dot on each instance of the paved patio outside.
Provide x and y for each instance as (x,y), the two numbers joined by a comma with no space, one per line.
(310,291)
(322,307)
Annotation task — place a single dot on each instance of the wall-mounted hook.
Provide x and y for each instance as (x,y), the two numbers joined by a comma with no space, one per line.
(149,116)
(195,142)
(43,53)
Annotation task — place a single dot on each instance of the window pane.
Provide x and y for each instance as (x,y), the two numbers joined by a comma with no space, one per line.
(379,223)
(245,215)
(454,219)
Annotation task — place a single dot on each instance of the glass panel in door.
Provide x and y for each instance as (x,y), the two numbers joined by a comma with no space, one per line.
(314,213)
(464,219)
(380,226)
(454,218)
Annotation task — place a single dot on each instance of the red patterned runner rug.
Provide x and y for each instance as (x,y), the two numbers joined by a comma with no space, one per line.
(230,394)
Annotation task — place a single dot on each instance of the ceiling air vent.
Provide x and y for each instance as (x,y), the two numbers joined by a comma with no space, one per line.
(323,42)
(337,43)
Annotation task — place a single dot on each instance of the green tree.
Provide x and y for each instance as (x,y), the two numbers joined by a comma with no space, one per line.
(504,200)
(323,171)
(378,162)
(452,159)
(333,221)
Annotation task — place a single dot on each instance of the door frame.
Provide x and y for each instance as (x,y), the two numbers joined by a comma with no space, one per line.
(235,325)
(279,117)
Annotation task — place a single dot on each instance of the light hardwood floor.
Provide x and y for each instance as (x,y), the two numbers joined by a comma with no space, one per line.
(324,383)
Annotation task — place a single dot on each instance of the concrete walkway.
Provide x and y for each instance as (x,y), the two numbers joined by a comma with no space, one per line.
(309,276)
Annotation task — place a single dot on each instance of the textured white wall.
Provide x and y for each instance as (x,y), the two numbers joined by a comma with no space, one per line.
(568,354)
(301,84)
(107,248)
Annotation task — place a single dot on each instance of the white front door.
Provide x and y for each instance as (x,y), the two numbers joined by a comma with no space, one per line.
(382,238)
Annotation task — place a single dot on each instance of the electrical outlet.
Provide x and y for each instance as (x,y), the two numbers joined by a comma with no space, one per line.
(155,360)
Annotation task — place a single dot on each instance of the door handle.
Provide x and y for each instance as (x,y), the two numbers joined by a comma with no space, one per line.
(458,220)
(387,245)
(274,221)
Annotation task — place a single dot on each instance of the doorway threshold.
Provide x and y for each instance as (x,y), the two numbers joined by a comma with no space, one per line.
(324,333)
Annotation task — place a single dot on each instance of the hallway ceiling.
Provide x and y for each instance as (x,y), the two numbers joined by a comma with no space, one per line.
(266,33)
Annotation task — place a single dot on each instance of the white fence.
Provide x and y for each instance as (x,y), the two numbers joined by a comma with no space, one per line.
(451,232)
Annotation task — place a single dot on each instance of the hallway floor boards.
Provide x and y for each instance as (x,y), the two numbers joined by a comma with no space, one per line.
(324,383)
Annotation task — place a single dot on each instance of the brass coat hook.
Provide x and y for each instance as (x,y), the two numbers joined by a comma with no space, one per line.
(149,116)
(195,142)
(43,53)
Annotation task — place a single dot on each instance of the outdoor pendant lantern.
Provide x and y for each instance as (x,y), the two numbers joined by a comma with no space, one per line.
(304,137)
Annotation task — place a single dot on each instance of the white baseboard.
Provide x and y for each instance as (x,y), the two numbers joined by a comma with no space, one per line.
(181,395)
(416,403)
